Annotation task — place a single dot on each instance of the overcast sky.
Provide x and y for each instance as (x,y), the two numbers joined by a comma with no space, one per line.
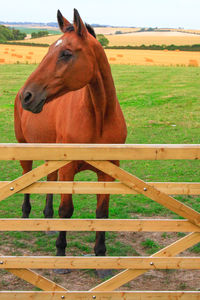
(142,13)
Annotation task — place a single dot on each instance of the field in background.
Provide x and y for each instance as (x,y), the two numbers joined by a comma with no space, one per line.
(29,30)
(195,31)
(12,54)
(50,39)
(113,30)
(151,57)
(153,38)
(134,38)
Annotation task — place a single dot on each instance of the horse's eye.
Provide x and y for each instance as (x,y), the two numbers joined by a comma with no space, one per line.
(66,54)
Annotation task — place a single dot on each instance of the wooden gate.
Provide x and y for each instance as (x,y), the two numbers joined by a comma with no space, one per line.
(58,155)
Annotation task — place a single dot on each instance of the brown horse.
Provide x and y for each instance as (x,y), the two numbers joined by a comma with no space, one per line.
(70,98)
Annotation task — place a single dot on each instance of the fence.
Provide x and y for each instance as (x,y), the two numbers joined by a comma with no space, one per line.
(99,156)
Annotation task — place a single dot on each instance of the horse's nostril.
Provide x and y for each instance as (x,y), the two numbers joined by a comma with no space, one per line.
(27,97)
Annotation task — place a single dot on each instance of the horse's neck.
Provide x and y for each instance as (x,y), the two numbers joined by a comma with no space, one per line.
(102,93)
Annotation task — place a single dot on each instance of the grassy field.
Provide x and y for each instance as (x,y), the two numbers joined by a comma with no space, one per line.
(161,105)
(29,30)
(10,54)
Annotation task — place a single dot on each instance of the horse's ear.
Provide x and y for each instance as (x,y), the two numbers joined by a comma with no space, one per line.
(63,23)
(79,26)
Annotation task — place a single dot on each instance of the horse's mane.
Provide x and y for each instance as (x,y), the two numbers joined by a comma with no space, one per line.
(90,29)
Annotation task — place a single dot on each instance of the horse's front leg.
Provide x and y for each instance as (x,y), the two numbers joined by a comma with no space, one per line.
(102,212)
(48,210)
(66,209)
(26,206)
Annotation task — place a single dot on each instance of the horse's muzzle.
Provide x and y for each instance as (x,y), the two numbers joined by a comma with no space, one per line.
(33,100)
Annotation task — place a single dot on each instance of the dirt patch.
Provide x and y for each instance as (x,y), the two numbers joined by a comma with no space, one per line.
(76,280)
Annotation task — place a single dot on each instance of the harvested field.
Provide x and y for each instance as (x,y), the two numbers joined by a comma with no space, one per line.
(12,54)
(195,31)
(151,38)
(98,30)
(112,30)
(151,57)
(134,38)
(50,39)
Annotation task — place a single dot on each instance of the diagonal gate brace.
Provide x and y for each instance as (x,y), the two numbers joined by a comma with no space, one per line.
(146,189)
(27,179)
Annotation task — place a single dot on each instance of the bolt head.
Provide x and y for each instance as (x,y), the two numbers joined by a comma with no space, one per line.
(12,188)
(151,263)
(145,189)
(1,262)
(93,297)
(62,297)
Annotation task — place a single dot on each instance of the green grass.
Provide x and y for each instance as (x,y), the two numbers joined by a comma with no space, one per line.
(150,246)
(29,30)
(153,99)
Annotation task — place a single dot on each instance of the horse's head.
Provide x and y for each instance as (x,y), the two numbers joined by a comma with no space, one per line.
(69,65)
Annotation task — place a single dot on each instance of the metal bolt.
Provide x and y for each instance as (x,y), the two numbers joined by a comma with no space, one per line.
(145,189)
(93,297)
(1,262)
(12,188)
(151,263)
(62,297)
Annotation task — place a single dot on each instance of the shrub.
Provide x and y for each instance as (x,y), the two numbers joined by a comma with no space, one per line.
(102,40)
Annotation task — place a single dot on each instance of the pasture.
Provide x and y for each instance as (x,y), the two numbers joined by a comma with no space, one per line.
(161,105)
(16,54)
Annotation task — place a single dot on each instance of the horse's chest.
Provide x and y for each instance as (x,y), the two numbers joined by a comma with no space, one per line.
(75,128)
(38,129)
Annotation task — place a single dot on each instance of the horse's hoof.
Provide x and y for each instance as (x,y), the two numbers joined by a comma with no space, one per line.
(51,232)
(62,271)
(104,273)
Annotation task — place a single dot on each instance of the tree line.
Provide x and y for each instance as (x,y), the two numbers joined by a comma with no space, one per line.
(39,34)
(10,34)
(172,47)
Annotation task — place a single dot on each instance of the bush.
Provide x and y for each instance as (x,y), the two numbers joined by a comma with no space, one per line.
(102,40)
